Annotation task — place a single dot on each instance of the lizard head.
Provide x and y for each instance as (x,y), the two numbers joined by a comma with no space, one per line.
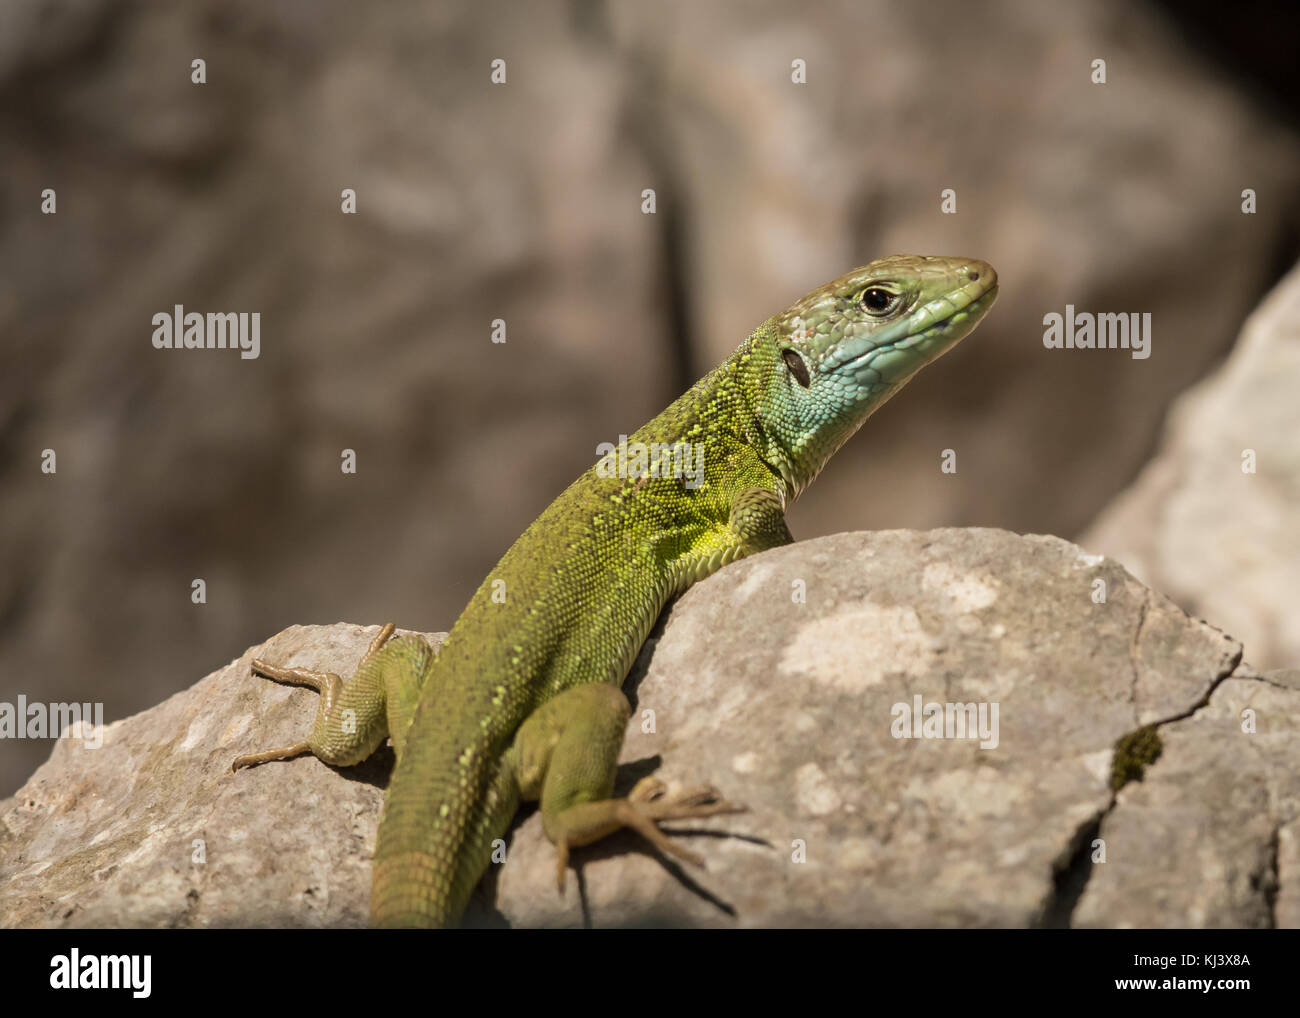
(841,352)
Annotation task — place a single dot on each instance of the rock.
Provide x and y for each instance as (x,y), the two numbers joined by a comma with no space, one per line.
(1211,836)
(778,680)
(1223,542)
(153,828)
(788,707)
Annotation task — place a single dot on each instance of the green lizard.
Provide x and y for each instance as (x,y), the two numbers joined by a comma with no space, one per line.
(523,701)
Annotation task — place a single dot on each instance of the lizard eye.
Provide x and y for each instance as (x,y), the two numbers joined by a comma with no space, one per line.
(878,301)
(797,367)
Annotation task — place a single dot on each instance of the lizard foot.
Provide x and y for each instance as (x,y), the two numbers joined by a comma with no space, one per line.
(650,802)
(327,684)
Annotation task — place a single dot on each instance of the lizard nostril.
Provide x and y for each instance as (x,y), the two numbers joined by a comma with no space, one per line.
(973,276)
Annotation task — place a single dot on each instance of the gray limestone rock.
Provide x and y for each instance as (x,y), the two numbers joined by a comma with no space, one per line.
(1214,519)
(783,680)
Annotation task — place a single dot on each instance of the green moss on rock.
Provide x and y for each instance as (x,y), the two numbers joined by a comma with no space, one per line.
(1133,752)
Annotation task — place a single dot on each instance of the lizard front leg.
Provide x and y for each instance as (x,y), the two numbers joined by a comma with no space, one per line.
(757,520)
(566,752)
(355,717)
(566,755)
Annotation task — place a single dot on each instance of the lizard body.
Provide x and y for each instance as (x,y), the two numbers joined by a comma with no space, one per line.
(523,702)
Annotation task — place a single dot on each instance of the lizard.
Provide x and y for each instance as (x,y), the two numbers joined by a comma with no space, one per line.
(523,701)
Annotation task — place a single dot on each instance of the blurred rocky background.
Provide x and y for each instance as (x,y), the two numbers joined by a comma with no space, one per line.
(522,202)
